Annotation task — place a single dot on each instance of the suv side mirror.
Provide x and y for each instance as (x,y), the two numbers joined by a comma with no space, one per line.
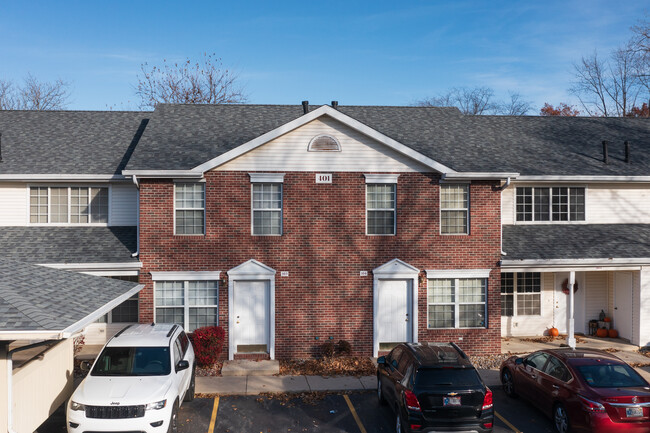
(182,365)
(519,361)
(381,360)
(85,366)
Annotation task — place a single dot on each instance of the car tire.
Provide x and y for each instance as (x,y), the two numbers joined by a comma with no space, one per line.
(508,383)
(398,422)
(173,420)
(189,394)
(380,392)
(561,419)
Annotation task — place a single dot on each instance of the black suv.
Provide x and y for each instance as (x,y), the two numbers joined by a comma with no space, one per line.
(433,387)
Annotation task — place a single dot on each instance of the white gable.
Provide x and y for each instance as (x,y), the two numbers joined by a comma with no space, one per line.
(252,269)
(358,153)
(395,267)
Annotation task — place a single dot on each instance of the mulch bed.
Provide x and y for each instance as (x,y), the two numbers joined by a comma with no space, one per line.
(214,370)
(335,366)
(549,339)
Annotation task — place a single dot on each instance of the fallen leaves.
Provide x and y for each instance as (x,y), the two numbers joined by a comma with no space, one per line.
(338,366)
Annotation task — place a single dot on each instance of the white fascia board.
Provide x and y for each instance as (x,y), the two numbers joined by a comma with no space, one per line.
(92,317)
(574,263)
(458,273)
(63,177)
(31,335)
(164,174)
(186,276)
(267,177)
(381,178)
(591,179)
(478,176)
(94,267)
(306,118)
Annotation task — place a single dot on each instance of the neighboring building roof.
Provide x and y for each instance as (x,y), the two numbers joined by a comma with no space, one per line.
(575,241)
(59,244)
(50,301)
(181,137)
(68,142)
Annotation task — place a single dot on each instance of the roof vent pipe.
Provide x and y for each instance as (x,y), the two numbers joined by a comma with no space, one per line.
(627,151)
(335,105)
(605,156)
(305,107)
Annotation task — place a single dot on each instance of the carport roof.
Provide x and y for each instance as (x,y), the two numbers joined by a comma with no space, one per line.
(42,303)
(576,241)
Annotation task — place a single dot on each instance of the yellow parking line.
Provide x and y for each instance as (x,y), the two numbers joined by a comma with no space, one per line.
(214,414)
(505,421)
(354,414)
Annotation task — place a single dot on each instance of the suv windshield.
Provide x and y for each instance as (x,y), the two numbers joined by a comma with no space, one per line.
(610,376)
(430,377)
(133,361)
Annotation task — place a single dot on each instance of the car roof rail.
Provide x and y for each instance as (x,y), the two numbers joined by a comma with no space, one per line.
(171,331)
(122,330)
(455,346)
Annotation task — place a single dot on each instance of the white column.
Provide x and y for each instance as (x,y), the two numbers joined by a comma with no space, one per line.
(571,340)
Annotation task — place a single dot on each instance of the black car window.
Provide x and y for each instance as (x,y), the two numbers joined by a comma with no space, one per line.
(393,357)
(555,368)
(537,360)
(133,361)
(611,376)
(404,362)
(185,342)
(443,377)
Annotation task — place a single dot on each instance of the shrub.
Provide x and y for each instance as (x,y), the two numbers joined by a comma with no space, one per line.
(207,342)
(327,349)
(343,348)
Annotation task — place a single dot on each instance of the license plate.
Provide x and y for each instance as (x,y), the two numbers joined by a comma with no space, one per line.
(451,401)
(633,412)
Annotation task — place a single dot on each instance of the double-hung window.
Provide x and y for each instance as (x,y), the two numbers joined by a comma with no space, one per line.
(190,208)
(381,204)
(454,209)
(521,294)
(193,304)
(550,204)
(457,302)
(68,205)
(266,204)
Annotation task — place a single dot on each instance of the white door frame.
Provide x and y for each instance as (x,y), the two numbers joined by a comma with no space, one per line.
(630,314)
(251,270)
(394,270)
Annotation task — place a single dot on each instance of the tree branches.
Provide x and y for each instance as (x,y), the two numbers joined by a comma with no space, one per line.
(34,94)
(478,100)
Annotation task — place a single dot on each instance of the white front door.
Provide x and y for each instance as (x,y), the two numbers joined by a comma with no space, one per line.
(560,304)
(394,311)
(251,313)
(623,304)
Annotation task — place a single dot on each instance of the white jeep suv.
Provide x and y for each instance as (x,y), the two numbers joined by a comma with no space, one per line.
(137,382)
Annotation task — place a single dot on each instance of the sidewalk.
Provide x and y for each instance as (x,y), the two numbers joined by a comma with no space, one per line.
(253,385)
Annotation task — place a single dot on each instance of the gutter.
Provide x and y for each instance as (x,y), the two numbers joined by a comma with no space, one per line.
(10,367)
(164,174)
(590,179)
(63,177)
(478,176)
(501,188)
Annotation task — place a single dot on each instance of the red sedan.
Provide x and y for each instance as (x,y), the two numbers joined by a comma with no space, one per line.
(582,390)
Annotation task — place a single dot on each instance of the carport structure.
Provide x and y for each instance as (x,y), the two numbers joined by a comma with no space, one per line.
(40,310)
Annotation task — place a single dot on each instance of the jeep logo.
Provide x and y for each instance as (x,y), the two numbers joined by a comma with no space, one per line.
(115,403)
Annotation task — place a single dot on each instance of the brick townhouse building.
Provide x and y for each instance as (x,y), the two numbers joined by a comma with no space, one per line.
(290,226)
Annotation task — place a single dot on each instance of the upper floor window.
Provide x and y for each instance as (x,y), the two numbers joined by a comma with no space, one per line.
(68,205)
(190,208)
(521,294)
(267,209)
(381,210)
(454,209)
(550,204)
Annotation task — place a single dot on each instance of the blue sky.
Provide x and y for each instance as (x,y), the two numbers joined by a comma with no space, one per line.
(362,53)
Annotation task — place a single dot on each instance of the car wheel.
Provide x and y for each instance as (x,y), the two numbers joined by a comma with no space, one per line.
(508,383)
(560,419)
(189,394)
(380,393)
(173,421)
(398,422)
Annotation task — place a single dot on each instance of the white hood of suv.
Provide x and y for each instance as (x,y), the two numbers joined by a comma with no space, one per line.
(122,390)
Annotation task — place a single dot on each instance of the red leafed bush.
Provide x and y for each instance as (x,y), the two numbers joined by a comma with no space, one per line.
(207,342)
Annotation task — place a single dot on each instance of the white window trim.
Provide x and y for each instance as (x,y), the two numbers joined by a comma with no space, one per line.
(457,303)
(68,186)
(186,306)
(434,274)
(338,143)
(189,275)
(266,177)
(394,210)
(202,181)
(514,295)
(514,204)
(281,210)
(381,178)
(467,222)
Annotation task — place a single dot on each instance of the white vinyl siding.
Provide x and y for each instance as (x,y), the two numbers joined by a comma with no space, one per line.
(124,205)
(14,204)
(454,209)
(192,304)
(68,205)
(456,303)
(359,153)
(189,208)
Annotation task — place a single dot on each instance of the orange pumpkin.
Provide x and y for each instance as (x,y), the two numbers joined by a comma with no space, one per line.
(607,319)
(602,333)
(553,332)
(613,333)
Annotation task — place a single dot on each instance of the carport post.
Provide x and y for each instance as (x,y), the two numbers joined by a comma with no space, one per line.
(571,340)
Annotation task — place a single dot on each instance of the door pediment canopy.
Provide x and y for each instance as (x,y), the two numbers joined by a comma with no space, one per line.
(395,268)
(252,269)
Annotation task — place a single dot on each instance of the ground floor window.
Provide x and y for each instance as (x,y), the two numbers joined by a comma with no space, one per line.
(456,303)
(192,304)
(521,294)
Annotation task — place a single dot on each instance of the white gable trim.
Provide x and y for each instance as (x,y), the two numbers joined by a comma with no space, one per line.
(306,118)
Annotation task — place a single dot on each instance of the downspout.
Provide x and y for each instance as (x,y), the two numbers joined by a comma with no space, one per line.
(10,379)
(137,235)
(501,188)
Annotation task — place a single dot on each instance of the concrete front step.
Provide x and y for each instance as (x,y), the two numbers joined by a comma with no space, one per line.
(245,367)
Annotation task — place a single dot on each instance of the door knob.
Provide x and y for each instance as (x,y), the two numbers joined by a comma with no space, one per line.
(406,320)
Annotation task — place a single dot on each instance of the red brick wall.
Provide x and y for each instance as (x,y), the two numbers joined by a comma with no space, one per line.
(323,248)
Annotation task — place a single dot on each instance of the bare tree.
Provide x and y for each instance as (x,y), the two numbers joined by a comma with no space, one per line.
(640,46)
(34,94)
(590,85)
(201,82)
(515,107)
(477,100)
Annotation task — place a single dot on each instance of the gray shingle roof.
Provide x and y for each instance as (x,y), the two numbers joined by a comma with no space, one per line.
(38,298)
(576,241)
(180,137)
(68,142)
(68,244)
